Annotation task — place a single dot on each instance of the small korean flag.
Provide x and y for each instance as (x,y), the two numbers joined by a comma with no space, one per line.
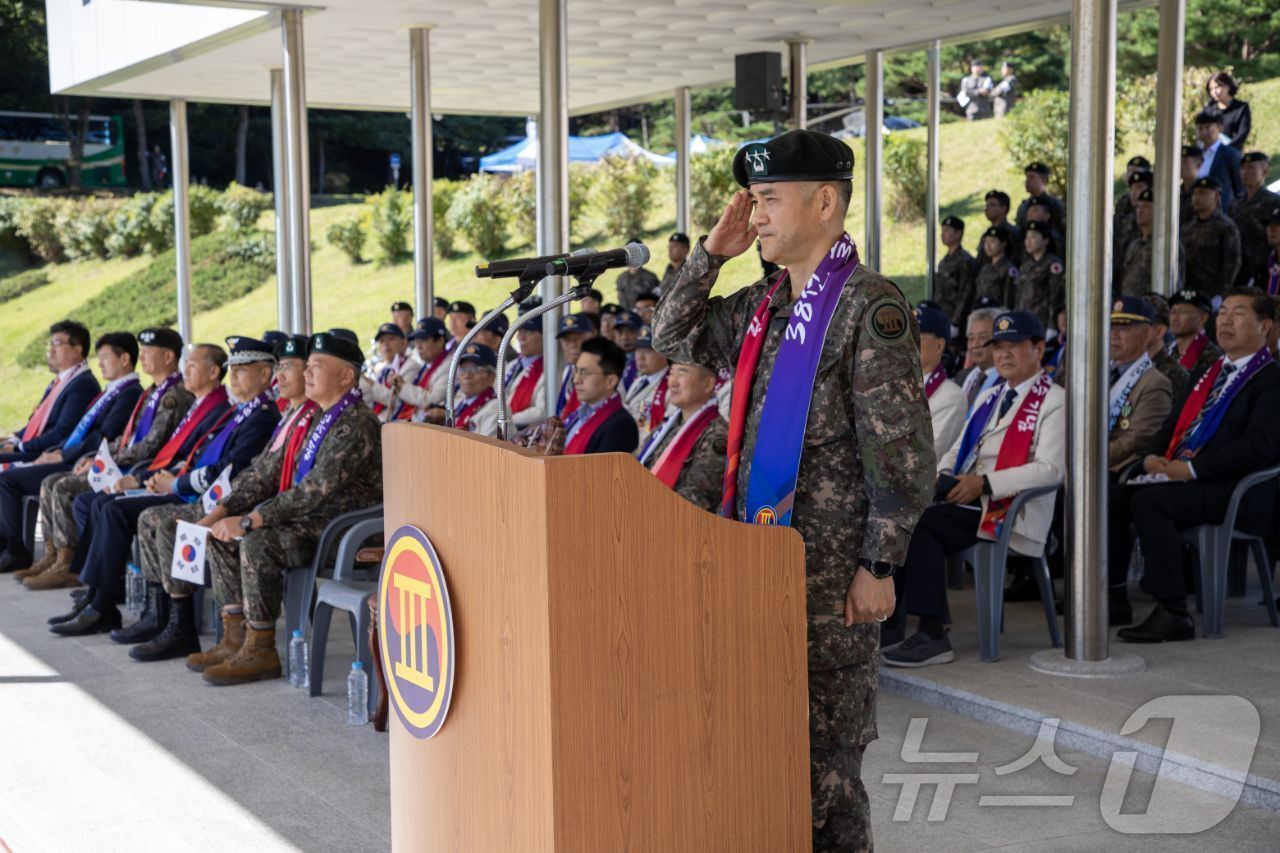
(188,553)
(103,471)
(220,489)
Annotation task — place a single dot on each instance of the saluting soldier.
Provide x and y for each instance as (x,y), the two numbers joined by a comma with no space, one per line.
(1249,212)
(953,281)
(998,277)
(1041,284)
(829,430)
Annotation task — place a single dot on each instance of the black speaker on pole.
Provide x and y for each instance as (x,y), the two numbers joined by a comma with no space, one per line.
(758,82)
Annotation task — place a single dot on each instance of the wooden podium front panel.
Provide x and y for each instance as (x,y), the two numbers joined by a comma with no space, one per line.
(679,670)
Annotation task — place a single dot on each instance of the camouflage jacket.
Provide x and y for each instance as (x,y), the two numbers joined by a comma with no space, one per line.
(1213,253)
(1208,356)
(953,285)
(1124,233)
(632,283)
(1250,213)
(670,276)
(1186,212)
(867,466)
(1041,287)
(1177,375)
(701,480)
(346,476)
(1057,213)
(1136,267)
(173,405)
(997,280)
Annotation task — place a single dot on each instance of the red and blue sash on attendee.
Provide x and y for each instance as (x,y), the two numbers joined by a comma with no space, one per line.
(404,412)
(578,444)
(388,371)
(658,404)
(567,401)
(297,427)
(934,381)
(1193,431)
(96,408)
(522,397)
(192,419)
(144,414)
(463,419)
(671,462)
(318,435)
(1192,355)
(775,459)
(630,372)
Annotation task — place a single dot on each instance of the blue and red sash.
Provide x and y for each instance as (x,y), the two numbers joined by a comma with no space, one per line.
(578,444)
(144,417)
(327,420)
(1186,441)
(671,462)
(522,398)
(1192,355)
(213,451)
(96,408)
(463,420)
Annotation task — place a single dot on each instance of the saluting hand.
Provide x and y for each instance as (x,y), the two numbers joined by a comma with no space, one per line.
(734,233)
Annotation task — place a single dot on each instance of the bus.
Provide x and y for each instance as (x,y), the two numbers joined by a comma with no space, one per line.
(34,151)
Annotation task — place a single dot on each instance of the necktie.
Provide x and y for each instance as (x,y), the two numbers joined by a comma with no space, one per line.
(1219,382)
(1115,375)
(1006,403)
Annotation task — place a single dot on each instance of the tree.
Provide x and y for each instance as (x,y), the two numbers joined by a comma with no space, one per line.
(76,132)
(242,144)
(140,144)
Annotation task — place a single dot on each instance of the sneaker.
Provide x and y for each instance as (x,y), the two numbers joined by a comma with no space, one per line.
(919,650)
(891,636)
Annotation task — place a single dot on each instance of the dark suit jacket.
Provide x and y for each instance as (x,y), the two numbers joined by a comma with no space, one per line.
(246,442)
(618,434)
(109,424)
(1226,171)
(67,411)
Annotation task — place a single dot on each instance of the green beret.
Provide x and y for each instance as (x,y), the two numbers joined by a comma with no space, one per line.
(338,347)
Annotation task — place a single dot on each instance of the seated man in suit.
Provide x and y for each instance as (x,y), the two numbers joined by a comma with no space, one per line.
(1015,439)
(105,419)
(600,423)
(947,402)
(427,387)
(340,471)
(1219,431)
(646,399)
(156,416)
(1140,396)
(688,451)
(64,401)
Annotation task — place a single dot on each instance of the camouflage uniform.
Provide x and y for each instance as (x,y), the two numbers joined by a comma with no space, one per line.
(953,285)
(670,276)
(1041,287)
(1213,253)
(1015,250)
(1057,212)
(1208,356)
(346,476)
(701,480)
(1177,375)
(59,491)
(632,283)
(865,476)
(1124,233)
(1136,270)
(1186,212)
(997,280)
(1249,213)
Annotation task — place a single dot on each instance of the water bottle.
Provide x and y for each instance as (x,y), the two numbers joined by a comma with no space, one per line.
(298,674)
(357,696)
(135,590)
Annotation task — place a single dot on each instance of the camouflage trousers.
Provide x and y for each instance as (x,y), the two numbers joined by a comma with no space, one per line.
(57,493)
(157,529)
(840,702)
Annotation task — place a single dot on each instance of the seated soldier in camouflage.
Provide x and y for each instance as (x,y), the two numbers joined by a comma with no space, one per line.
(688,451)
(339,470)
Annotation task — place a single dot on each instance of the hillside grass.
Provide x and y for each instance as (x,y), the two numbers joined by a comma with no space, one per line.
(358,296)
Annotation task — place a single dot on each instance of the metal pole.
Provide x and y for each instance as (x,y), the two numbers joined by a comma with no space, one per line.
(874,112)
(181,214)
(1168,159)
(683,155)
(931,212)
(420,119)
(799,56)
(297,167)
(553,168)
(279,180)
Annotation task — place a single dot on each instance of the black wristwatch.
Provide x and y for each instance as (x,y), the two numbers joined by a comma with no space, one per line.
(877,568)
(986,485)
(246,523)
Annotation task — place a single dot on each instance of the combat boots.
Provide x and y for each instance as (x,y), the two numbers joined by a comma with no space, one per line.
(179,637)
(232,639)
(50,556)
(256,660)
(152,620)
(57,575)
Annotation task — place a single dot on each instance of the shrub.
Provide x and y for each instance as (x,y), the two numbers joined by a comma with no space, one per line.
(241,207)
(623,190)
(84,227)
(391,224)
(480,213)
(711,184)
(347,234)
(1037,130)
(36,222)
(908,176)
(26,281)
(131,229)
(522,197)
(202,212)
(446,236)
(9,239)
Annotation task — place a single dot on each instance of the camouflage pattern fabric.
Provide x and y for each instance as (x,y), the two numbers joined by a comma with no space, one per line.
(1250,213)
(953,285)
(1041,287)
(632,283)
(1177,375)
(841,810)
(701,480)
(998,280)
(1213,253)
(173,405)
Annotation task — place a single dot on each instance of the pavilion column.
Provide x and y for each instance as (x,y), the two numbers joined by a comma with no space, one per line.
(553,170)
(181,213)
(1089,177)
(1168,159)
(420,120)
(297,167)
(799,95)
(873,135)
(279,189)
(931,212)
(683,155)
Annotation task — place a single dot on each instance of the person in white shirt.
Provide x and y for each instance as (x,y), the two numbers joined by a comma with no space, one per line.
(425,389)
(646,399)
(476,409)
(394,361)
(1015,439)
(526,380)
(947,403)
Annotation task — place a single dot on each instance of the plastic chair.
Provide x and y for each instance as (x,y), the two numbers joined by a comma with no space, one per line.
(1213,541)
(30,514)
(300,581)
(341,592)
(988,561)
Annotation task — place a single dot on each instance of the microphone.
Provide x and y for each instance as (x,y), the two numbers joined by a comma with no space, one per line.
(515,267)
(594,263)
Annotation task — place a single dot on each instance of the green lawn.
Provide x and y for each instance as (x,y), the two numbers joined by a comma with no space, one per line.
(357,296)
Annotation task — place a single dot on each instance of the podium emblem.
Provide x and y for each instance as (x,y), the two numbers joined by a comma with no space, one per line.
(415,629)
(766,515)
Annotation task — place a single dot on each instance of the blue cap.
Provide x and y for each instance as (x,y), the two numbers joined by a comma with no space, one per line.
(499,325)
(534,325)
(1128,310)
(274,336)
(389,329)
(248,351)
(479,354)
(645,341)
(1016,326)
(427,328)
(572,323)
(628,320)
(933,322)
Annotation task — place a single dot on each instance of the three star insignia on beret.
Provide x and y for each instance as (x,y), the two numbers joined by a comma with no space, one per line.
(758,159)
(147,337)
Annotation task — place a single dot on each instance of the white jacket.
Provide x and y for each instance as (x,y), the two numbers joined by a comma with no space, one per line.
(537,411)
(433,394)
(947,407)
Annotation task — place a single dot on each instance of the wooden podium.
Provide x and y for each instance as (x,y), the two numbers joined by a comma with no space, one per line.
(630,670)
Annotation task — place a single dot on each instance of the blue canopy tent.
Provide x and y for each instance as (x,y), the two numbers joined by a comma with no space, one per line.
(582,149)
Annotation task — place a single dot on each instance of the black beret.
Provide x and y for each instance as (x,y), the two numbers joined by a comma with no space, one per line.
(461,307)
(999,233)
(1038,201)
(678,237)
(1142,177)
(1193,151)
(1002,197)
(1273,218)
(1255,157)
(1140,162)
(1207,184)
(797,155)
(1145,195)
(953,222)
(1043,228)
(401,306)
(1192,297)
(161,336)
(441,303)
(327,343)
(345,333)
(1038,168)
(293,346)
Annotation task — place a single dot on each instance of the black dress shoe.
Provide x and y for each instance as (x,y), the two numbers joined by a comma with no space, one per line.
(79,592)
(88,621)
(81,604)
(1162,626)
(11,562)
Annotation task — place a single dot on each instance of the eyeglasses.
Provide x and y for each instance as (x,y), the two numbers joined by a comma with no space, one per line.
(54,343)
(472,369)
